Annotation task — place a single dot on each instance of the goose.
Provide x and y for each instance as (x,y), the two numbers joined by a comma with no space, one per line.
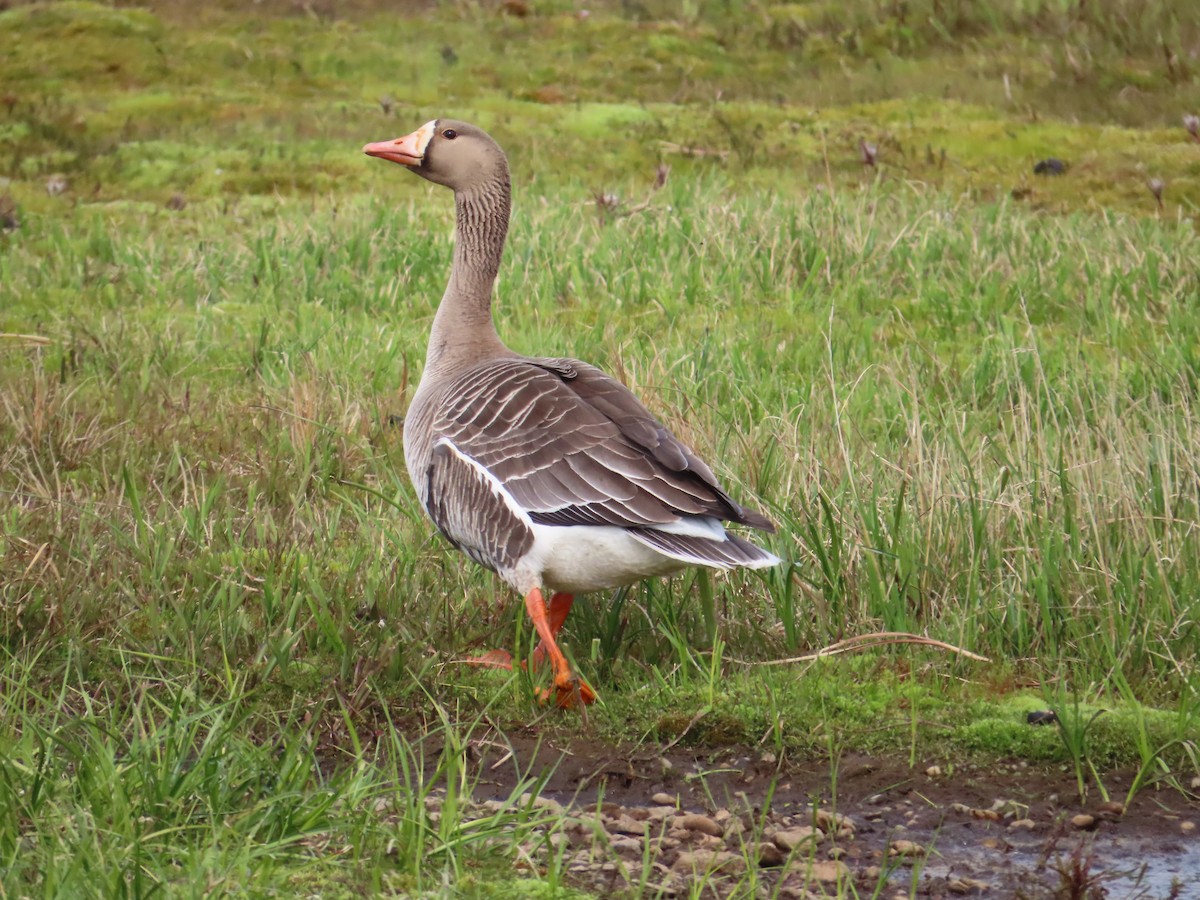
(546,471)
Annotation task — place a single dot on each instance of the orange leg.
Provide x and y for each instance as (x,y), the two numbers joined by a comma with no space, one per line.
(560,607)
(569,687)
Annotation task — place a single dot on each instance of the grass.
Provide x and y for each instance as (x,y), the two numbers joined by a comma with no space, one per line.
(966,395)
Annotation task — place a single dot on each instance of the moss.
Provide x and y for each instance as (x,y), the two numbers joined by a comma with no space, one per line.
(57,43)
(142,109)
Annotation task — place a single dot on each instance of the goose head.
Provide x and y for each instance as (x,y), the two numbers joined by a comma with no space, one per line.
(448,152)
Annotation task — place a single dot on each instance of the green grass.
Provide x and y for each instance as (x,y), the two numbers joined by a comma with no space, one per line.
(225,625)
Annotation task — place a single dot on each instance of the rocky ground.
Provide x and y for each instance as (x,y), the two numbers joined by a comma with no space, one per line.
(641,823)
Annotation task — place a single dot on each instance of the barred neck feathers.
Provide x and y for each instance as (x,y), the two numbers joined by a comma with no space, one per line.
(463,327)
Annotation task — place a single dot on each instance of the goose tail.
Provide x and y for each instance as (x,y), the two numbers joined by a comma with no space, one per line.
(726,552)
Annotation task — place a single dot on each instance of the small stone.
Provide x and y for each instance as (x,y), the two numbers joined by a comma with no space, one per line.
(961,808)
(1111,809)
(934,771)
(836,852)
(872,873)
(792,838)
(664,799)
(905,849)
(833,822)
(769,855)
(967,886)
(709,861)
(549,804)
(1050,166)
(624,824)
(991,815)
(658,814)
(1187,827)
(703,824)
(626,845)
(829,871)
(1083,822)
(1022,825)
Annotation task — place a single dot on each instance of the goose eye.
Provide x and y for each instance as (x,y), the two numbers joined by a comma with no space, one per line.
(449,134)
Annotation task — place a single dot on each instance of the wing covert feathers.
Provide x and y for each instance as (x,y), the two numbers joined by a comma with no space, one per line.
(473,511)
(572,446)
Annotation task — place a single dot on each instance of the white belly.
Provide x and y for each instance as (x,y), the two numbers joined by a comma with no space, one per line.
(577,559)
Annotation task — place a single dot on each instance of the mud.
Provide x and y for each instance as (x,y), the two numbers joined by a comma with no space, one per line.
(931,830)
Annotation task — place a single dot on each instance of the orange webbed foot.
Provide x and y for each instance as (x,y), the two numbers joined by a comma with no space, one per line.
(493,659)
(571,693)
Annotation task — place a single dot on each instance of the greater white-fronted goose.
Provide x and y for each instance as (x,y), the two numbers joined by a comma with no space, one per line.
(546,471)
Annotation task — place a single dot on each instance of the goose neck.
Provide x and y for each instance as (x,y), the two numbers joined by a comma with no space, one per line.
(464,318)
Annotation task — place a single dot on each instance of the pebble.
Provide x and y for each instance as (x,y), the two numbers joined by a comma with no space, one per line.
(703,824)
(664,799)
(829,871)
(792,838)
(624,824)
(549,804)
(709,861)
(906,849)
(934,771)
(628,845)
(769,855)
(1022,825)
(967,886)
(1083,822)
(833,822)
(1187,827)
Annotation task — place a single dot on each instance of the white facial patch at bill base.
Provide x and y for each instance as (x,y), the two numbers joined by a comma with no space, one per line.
(423,136)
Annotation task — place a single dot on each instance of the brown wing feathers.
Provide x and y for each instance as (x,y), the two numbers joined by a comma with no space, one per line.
(574,447)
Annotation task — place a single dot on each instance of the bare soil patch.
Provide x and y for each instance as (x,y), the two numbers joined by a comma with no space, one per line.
(1007,830)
